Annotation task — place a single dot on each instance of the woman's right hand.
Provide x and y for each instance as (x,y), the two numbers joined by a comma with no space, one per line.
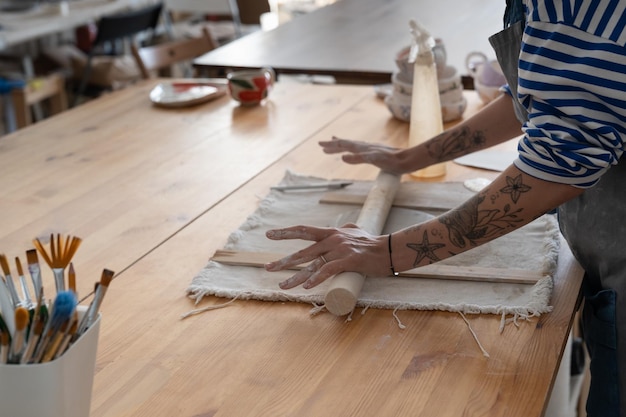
(386,158)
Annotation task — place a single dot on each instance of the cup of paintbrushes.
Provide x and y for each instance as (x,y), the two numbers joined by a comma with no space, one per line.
(60,384)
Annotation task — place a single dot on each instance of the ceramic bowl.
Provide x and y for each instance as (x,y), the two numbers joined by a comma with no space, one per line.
(399,105)
(401,83)
(449,79)
(452,95)
(402,62)
(453,110)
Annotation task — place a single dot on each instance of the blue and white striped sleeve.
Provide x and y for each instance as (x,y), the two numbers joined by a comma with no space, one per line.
(572,80)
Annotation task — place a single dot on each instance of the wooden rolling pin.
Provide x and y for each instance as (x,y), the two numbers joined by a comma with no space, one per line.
(344,289)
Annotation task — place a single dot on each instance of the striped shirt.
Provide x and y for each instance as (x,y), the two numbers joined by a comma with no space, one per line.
(572,81)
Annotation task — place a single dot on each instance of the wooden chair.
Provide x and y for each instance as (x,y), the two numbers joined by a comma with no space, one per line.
(163,56)
(115,28)
(37,90)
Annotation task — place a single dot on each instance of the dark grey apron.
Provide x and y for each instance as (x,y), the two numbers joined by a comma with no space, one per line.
(594,225)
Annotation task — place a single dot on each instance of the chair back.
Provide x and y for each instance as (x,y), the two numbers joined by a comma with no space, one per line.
(164,55)
(123,25)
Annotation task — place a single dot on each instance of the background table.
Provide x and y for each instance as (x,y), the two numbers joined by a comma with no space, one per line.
(155,192)
(356,41)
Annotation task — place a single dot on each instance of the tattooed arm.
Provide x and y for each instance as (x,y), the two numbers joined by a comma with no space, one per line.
(494,124)
(509,202)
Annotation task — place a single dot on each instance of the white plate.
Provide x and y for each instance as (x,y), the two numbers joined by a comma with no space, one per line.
(185,93)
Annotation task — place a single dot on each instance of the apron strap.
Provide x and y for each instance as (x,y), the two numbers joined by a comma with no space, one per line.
(513,13)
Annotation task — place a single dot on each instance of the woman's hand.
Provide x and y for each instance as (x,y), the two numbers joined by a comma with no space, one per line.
(386,158)
(335,250)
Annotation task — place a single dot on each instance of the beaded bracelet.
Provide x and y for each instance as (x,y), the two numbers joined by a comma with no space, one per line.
(393,271)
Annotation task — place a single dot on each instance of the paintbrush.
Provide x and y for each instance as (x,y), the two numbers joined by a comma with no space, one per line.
(9,280)
(92,311)
(34,270)
(19,338)
(71,279)
(6,306)
(28,301)
(33,339)
(61,253)
(68,337)
(4,346)
(62,310)
(55,342)
(94,307)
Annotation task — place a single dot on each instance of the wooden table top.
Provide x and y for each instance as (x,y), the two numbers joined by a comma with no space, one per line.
(154,192)
(356,40)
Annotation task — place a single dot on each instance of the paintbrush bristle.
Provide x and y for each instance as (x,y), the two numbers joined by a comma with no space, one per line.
(18,264)
(4,264)
(42,251)
(38,330)
(106,278)
(71,278)
(21,318)
(63,307)
(31,257)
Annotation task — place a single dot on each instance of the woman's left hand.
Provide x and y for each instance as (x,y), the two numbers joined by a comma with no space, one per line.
(335,250)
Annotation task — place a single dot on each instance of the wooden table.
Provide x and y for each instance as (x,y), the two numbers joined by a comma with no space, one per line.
(356,41)
(155,192)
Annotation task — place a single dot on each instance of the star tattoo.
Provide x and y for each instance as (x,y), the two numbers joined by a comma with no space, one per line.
(425,250)
(515,187)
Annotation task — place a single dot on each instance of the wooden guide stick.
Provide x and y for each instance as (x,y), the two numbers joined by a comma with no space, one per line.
(344,288)
(433,271)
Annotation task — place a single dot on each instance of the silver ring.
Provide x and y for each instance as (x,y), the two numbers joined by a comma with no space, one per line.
(323,259)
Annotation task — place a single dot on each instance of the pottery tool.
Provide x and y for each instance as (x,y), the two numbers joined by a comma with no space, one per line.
(62,310)
(61,253)
(15,299)
(93,309)
(18,343)
(28,301)
(326,185)
(344,289)
(433,271)
(34,270)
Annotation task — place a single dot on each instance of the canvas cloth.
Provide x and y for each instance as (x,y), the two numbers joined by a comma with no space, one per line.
(533,247)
